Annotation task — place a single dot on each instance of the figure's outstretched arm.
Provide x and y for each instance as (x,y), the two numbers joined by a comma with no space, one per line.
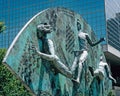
(91,43)
(46,56)
(109,74)
(50,56)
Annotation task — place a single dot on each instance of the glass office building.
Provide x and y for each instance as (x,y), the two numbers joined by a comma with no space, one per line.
(16,13)
(102,15)
(112,47)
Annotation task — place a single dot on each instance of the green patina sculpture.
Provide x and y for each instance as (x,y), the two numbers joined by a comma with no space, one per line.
(47,61)
(49,53)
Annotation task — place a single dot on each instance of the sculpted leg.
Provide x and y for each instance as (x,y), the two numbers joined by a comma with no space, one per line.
(81,61)
(79,72)
(74,64)
(63,69)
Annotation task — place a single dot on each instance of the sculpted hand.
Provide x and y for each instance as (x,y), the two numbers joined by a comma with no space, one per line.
(102,39)
(37,50)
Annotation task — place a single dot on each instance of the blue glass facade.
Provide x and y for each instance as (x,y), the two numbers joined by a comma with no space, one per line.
(16,13)
(98,13)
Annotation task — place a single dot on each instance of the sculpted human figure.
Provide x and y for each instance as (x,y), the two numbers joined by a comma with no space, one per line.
(100,73)
(84,39)
(49,54)
(103,69)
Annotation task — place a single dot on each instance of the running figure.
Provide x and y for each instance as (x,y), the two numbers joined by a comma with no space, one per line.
(84,40)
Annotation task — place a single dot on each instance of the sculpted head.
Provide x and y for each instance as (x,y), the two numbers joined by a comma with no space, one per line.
(43,29)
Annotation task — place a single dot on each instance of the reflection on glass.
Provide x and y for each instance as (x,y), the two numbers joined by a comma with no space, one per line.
(17,13)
